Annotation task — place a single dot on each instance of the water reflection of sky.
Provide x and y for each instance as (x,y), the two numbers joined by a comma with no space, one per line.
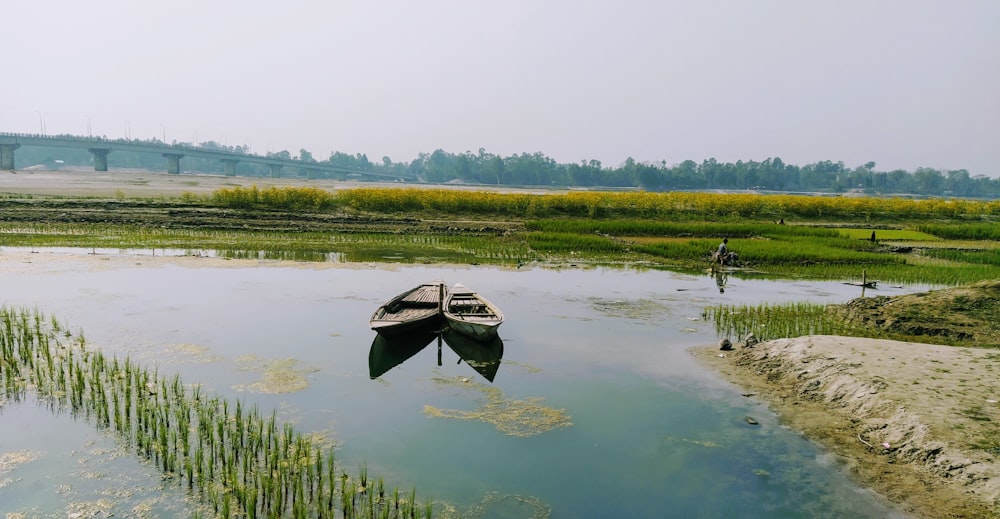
(653,434)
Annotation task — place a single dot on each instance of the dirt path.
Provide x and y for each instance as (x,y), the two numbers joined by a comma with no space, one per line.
(919,423)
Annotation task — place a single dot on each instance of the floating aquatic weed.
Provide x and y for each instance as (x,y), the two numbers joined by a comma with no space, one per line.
(527,367)
(10,461)
(82,509)
(509,505)
(512,417)
(280,376)
(636,309)
(189,353)
(703,443)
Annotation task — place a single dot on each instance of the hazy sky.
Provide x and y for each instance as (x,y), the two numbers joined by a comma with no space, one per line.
(904,83)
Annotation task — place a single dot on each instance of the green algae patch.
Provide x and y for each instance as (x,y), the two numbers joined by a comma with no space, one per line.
(646,310)
(10,461)
(703,443)
(520,418)
(528,368)
(280,376)
(509,505)
(192,353)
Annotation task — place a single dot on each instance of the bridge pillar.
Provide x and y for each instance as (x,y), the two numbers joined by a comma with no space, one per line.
(7,156)
(275,170)
(100,158)
(173,162)
(230,166)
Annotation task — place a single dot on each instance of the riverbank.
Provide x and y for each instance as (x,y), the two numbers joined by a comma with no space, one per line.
(916,422)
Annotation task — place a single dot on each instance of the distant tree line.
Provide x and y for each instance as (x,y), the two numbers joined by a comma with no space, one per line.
(537,169)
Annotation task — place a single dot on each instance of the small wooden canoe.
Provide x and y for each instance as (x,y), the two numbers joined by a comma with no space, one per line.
(415,309)
(471,314)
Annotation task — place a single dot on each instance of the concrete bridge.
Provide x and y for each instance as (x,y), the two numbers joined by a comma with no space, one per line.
(100,148)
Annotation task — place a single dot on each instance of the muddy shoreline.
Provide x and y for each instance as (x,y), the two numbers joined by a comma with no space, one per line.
(915,422)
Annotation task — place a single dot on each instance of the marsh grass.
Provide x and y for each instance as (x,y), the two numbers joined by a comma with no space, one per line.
(240,462)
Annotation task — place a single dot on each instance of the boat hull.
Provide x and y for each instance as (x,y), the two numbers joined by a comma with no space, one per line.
(416,309)
(478,330)
(471,314)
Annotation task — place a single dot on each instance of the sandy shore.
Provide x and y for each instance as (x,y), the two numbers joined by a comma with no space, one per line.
(916,422)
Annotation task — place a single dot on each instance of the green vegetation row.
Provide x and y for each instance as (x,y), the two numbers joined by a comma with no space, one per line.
(644,205)
(769,322)
(633,227)
(241,462)
(779,257)
(965,231)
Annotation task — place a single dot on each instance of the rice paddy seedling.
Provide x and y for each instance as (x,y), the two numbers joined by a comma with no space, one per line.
(775,321)
(239,463)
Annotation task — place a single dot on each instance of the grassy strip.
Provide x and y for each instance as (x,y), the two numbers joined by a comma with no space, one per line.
(241,463)
(965,231)
(990,257)
(633,227)
(886,234)
(780,257)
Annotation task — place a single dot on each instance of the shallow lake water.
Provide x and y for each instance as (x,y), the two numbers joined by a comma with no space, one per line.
(597,408)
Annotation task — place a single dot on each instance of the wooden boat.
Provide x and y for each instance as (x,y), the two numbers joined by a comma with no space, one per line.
(414,309)
(471,314)
(389,352)
(484,357)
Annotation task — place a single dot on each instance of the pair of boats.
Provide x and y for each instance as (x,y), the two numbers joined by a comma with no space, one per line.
(458,316)
(432,304)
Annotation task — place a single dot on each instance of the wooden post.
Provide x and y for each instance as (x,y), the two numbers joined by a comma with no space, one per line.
(864,281)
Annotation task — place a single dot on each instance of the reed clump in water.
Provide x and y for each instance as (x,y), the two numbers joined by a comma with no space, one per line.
(241,462)
(767,322)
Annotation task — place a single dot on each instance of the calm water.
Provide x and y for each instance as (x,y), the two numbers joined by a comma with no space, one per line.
(652,433)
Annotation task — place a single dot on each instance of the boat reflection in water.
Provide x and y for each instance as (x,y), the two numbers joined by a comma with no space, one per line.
(389,352)
(484,357)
